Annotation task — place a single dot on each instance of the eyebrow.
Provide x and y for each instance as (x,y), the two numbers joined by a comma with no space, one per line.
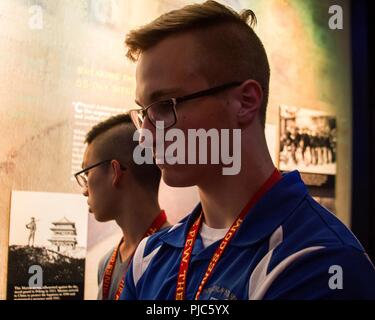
(156,95)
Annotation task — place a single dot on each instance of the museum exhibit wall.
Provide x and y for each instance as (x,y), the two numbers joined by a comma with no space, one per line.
(63,68)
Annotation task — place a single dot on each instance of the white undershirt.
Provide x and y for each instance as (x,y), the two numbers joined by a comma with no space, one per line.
(210,235)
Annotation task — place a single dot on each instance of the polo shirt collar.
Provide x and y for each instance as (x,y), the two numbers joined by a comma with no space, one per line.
(261,220)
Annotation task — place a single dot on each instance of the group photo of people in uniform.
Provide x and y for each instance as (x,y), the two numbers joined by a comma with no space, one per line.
(308,140)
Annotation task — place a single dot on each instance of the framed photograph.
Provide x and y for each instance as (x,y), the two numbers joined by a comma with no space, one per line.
(47,246)
(308,143)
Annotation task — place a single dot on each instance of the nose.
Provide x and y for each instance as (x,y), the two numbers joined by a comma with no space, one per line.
(85,192)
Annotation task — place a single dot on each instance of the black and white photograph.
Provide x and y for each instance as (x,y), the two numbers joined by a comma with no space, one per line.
(308,141)
(47,246)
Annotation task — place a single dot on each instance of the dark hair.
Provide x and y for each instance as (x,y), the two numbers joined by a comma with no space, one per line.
(104,126)
(231,50)
(113,139)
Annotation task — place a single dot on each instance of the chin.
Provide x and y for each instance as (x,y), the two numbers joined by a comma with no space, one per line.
(101,218)
(177,177)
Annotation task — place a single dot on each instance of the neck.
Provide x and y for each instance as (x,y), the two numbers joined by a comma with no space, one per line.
(224,197)
(134,223)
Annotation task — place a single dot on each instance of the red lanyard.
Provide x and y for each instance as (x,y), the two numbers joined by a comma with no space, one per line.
(192,236)
(155,226)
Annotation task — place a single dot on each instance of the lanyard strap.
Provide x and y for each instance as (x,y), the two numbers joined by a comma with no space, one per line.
(155,226)
(192,236)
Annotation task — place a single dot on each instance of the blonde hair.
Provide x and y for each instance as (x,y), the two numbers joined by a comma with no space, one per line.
(230,49)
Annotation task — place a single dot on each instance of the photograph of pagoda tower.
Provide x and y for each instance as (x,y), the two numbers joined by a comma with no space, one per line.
(47,246)
(64,235)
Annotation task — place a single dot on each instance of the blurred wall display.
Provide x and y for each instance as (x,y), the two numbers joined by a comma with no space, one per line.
(105,12)
(47,246)
(63,69)
(308,143)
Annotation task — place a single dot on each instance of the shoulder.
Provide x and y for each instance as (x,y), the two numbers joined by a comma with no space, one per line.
(150,246)
(311,231)
(313,225)
(103,262)
(334,272)
(305,251)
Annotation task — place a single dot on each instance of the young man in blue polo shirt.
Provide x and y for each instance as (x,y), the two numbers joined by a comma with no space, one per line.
(255,234)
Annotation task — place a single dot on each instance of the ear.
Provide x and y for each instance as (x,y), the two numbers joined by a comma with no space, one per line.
(116,173)
(251,97)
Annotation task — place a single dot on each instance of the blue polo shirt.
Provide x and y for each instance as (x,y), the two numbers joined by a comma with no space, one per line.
(288,247)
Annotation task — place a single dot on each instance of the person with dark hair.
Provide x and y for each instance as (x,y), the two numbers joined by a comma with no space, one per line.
(255,234)
(119,189)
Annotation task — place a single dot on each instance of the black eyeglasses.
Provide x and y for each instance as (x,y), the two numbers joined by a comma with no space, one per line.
(81,176)
(165,110)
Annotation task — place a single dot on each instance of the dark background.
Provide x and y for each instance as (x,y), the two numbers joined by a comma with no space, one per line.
(363,85)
